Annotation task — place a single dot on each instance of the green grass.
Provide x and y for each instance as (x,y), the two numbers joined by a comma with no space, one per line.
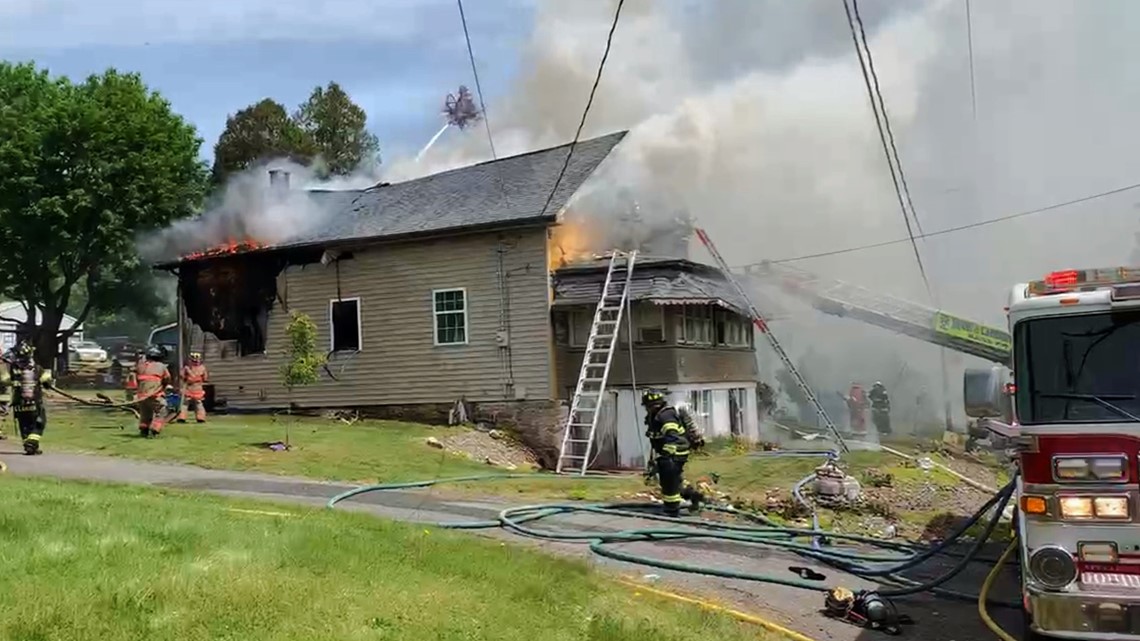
(85,561)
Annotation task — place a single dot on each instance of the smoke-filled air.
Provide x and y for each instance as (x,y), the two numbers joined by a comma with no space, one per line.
(249,210)
(752,118)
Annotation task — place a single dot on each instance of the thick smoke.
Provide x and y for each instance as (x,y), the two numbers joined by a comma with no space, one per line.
(752,117)
(251,210)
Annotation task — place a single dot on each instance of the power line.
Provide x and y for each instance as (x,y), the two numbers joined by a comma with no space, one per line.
(970,49)
(475,72)
(589,103)
(951,230)
(882,124)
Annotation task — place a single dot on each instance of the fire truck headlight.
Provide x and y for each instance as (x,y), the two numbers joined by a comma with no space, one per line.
(1098,552)
(1076,507)
(1097,468)
(1052,567)
(1111,507)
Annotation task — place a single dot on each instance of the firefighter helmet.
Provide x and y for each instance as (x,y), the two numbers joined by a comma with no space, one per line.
(154,353)
(24,352)
(652,397)
(196,357)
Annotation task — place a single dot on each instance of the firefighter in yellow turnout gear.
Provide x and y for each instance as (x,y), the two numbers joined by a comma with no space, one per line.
(27,381)
(194,376)
(671,444)
(153,377)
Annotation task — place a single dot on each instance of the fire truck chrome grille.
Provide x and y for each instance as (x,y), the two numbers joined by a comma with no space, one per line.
(1110,580)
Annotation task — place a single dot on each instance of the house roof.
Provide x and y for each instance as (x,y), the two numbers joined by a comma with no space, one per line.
(507,191)
(12,313)
(664,281)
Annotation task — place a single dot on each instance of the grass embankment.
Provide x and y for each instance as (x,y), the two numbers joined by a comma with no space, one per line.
(83,561)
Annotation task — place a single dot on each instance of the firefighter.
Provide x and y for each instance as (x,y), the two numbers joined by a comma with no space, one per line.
(194,375)
(671,445)
(153,378)
(132,381)
(856,409)
(880,408)
(27,381)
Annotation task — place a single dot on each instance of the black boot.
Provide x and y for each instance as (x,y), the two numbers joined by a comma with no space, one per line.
(673,510)
(695,500)
(31,448)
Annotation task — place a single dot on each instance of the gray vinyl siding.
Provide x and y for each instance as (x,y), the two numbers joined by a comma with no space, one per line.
(399,362)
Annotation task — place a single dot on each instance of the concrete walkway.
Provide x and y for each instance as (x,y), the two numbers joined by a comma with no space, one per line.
(936,619)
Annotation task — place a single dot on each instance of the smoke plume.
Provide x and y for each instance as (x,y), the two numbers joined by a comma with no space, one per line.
(249,211)
(752,116)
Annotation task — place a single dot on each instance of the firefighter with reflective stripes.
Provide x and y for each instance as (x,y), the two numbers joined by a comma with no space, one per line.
(194,376)
(27,381)
(671,445)
(153,378)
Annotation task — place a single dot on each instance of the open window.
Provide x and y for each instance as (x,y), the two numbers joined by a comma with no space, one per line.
(449,314)
(344,321)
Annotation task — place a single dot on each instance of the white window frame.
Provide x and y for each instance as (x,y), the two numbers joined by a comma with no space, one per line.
(435,314)
(647,309)
(359,324)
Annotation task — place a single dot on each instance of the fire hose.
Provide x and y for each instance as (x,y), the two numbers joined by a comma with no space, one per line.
(886,564)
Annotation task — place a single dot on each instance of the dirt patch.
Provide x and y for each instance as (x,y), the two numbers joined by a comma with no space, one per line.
(493,448)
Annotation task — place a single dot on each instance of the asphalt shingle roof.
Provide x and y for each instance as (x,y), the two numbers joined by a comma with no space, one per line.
(498,192)
(658,280)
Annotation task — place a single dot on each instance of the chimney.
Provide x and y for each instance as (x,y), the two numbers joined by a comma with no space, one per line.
(278,179)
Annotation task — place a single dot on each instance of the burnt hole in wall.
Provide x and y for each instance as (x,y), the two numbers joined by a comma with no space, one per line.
(231,297)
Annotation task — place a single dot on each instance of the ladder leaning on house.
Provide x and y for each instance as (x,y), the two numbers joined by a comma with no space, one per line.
(582,422)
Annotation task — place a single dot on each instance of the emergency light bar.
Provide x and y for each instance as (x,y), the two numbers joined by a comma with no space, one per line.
(1070,279)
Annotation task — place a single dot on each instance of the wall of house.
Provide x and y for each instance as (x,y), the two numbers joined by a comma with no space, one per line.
(399,362)
(665,362)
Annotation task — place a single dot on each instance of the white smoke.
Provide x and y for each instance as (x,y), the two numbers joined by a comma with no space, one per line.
(752,116)
(251,210)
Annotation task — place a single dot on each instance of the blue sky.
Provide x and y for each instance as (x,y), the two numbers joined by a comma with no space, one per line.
(397,58)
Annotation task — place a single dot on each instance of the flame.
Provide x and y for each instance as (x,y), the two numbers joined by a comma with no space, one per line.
(231,246)
(571,241)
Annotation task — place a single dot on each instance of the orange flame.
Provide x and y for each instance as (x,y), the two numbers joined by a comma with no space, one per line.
(571,241)
(231,246)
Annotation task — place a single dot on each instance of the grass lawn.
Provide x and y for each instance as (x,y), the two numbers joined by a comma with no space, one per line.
(86,561)
(388,451)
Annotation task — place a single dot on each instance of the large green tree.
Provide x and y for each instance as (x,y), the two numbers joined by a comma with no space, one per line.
(260,132)
(84,169)
(339,128)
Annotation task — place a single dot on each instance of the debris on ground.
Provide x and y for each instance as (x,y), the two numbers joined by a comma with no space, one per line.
(348,417)
(496,447)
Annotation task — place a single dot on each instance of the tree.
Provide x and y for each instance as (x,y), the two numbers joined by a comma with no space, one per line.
(260,132)
(85,168)
(338,128)
(302,360)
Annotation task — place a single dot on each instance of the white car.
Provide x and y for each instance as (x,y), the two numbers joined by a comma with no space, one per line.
(90,352)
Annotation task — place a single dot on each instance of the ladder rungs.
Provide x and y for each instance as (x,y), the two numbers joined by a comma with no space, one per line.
(580,457)
(579,440)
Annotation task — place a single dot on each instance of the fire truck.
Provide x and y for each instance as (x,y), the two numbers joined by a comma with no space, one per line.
(1072,408)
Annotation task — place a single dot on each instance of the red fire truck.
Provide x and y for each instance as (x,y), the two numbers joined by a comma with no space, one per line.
(1075,419)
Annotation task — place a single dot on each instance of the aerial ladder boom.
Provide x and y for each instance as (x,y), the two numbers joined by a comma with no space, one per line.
(838,298)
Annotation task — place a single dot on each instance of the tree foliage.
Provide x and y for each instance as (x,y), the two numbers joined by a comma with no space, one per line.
(338,128)
(84,168)
(303,362)
(260,131)
(328,132)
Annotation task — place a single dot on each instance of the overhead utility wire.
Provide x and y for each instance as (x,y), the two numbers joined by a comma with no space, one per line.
(589,103)
(970,50)
(951,230)
(478,87)
(874,97)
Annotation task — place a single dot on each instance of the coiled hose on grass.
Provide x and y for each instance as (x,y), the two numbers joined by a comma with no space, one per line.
(884,563)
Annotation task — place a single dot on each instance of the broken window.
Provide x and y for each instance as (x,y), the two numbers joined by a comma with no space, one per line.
(580,321)
(450,316)
(732,330)
(344,319)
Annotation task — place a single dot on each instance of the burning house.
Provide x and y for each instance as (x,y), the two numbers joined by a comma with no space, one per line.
(458,287)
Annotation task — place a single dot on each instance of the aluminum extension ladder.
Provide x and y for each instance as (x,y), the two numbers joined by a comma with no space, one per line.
(762,324)
(582,422)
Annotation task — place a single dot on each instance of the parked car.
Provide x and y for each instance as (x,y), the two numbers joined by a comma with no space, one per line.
(89,352)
